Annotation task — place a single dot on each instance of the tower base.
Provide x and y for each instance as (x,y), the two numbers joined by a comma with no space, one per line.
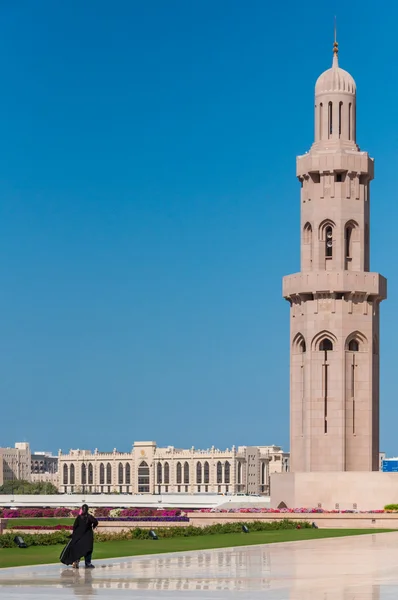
(356,490)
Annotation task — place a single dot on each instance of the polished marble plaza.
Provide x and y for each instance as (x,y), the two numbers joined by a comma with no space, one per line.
(351,568)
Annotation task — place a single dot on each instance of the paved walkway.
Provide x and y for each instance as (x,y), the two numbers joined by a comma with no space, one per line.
(351,568)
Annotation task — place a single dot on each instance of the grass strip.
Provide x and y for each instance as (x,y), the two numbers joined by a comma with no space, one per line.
(36,555)
(15,523)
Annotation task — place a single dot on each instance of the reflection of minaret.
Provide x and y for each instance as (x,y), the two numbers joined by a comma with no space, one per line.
(334,300)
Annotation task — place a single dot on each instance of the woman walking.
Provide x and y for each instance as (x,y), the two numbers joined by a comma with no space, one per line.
(82,541)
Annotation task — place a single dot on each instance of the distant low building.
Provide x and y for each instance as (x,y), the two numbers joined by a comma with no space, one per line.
(44,462)
(15,463)
(44,468)
(148,469)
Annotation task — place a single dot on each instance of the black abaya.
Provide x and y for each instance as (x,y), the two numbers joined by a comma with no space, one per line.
(82,540)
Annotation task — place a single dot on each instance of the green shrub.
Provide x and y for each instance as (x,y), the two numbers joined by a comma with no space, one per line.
(62,537)
(35,539)
(391,507)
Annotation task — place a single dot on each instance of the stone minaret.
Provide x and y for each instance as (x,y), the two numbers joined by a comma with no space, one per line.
(334,300)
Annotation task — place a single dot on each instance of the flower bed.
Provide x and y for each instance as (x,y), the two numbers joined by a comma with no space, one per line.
(101,512)
(287,511)
(44,527)
(37,513)
(146,519)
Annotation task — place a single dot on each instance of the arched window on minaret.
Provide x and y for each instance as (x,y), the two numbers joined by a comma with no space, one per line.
(354,343)
(326,232)
(351,248)
(330,119)
(307,247)
(298,364)
(340,117)
(329,242)
(350,121)
(353,346)
(320,120)
(325,346)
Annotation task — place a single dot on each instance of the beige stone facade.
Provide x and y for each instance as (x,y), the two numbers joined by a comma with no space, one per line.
(15,463)
(46,478)
(357,491)
(148,469)
(335,299)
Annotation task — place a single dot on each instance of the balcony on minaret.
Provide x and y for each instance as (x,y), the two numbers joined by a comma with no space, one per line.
(371,285)
(316,162)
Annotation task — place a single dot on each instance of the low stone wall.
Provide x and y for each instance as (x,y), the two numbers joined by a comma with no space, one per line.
(323,520)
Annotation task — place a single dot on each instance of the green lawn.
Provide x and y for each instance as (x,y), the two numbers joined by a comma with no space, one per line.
(39,521)
(12,557)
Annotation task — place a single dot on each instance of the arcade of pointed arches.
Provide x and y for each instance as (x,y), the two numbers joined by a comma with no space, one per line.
(327,236)
(325,342)
(183,478)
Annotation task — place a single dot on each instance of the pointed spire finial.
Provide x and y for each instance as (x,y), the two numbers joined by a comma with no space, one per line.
(335,46)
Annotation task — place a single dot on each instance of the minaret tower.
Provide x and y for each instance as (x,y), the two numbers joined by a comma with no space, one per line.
(334,300)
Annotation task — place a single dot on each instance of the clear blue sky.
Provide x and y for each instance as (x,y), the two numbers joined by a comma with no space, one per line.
(149,209)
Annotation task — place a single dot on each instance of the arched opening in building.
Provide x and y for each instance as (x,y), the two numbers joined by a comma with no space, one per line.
(120,474)
(227,473)
(199,473)
(219,472)
(186,473)
(65,474)
(206,471)
(102,474)
(179,473)
(166,473)
(90,474)
(84,474)
(72,474)
(159,478)
(143,478)
(108,474)
(128,474)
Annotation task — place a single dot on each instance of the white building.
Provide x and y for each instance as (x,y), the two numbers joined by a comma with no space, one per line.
(148,469)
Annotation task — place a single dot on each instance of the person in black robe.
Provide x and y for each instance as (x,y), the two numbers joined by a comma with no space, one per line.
(82,541)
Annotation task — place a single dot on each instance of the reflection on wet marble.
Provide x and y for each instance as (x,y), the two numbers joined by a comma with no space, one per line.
(351,568)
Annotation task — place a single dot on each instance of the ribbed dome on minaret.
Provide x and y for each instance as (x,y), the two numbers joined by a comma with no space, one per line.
(335,80)
(335,108)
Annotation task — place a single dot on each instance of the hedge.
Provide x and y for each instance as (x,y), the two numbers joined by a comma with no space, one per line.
(62,537)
